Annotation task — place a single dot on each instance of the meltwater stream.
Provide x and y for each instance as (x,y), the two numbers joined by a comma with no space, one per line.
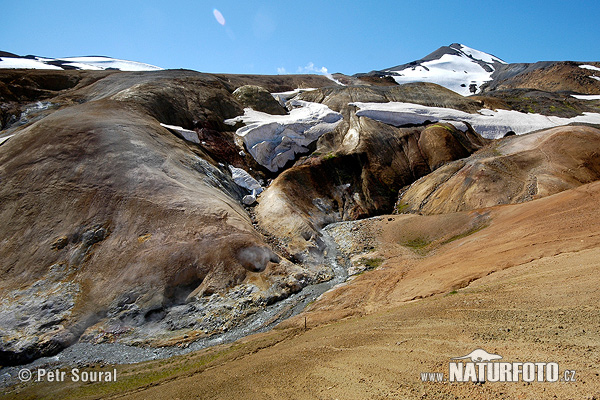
(82,354)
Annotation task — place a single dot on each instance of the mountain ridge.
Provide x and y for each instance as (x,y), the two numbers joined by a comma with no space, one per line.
(12,61)
(457,67)
(454,48)
(443,66)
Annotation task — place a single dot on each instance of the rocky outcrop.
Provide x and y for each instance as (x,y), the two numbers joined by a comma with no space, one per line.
(513,170)
(114,227)
(358,168)
(533,101)
(545,76)
(258,99)
(343,186)
(127,219)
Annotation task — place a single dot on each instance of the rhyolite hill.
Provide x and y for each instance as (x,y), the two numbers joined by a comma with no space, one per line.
(156,207)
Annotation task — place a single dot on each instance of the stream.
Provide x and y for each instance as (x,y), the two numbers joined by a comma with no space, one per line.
(88,354)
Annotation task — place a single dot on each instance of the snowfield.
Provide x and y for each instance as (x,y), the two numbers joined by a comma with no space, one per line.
(273,140)
(24,63)
(454,72)
(108,63)
(488,123)
(86,63)
(480,55)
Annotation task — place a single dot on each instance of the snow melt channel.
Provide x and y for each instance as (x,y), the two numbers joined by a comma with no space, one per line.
(488,123)
(273,140)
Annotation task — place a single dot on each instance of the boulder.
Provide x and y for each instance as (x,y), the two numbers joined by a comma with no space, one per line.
(258,99)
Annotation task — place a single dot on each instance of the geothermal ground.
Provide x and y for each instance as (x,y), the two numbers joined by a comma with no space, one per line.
(525,294)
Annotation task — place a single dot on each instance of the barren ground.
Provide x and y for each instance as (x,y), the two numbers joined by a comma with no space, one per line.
(524,285)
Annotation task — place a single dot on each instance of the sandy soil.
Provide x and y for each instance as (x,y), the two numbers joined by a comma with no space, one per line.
(520,281)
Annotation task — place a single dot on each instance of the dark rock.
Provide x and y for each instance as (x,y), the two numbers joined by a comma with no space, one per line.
(258,99)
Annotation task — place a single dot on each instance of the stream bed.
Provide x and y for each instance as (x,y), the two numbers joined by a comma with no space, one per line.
(83,354)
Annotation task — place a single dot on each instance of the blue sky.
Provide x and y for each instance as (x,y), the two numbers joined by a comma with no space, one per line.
(268,37)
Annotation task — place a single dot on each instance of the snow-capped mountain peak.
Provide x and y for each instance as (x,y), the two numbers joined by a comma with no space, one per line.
(456,67)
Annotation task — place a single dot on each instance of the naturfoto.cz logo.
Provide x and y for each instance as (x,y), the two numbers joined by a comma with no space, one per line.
(485,367)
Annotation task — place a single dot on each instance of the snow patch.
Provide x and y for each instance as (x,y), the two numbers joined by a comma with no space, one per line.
(284,97)
(5,138)
(593,68)
(107,62)
(190,136)
(245,180)
(273,140)
(586,96)
(488,123)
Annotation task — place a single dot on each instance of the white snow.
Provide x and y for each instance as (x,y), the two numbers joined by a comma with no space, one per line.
(87,63)
(450,71)
(480,55)
(273,140)
(283,97)
(586,96)
(5,138)
(84,66)
(190,136)
(245,180)
(25,63)
(488,123)
(107,62)
(593,68)
(454,72)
